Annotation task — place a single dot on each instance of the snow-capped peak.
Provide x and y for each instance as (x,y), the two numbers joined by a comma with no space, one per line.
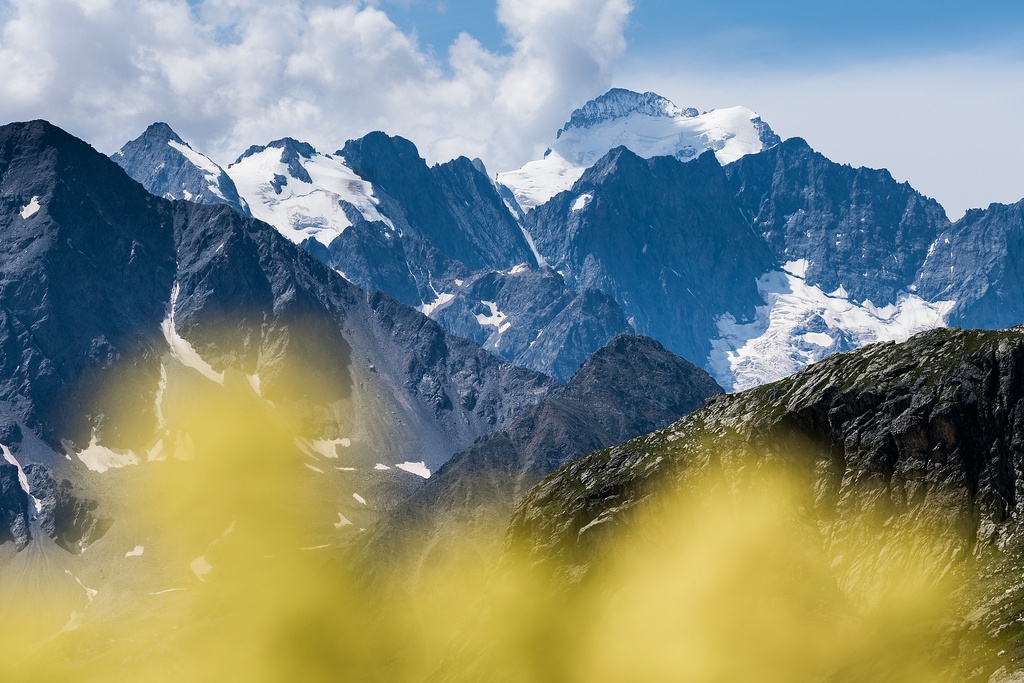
(301,192)
(290,146)
(648,125)
(168,167)
(620,103)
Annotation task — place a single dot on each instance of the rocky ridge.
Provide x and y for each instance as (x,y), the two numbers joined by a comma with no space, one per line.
(921,433)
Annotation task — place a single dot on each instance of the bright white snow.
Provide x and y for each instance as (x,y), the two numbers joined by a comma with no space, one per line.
(100,458)
(442,300)
(158,407)
(90,593)
(359,498)
(533,247)
(200,567)
(327,448)
(540,180)
(136,552)
(181,349)
(495,318)
(582,201)
(304,210)
(22,479)
(342,521)
(799,268)
(205,164)
(31,208)
(381,467)
(730,132)
(417,468)
(802,324)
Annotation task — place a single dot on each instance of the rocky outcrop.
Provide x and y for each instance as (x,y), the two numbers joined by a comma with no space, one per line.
(452,206)
(531,318)
(14,508)
(65,514)
(926,434)
(979,263)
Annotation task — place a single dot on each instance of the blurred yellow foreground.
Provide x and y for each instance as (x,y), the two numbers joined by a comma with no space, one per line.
(731,582)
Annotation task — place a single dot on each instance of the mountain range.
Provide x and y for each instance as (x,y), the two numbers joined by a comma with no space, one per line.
(748,255)
(409,357)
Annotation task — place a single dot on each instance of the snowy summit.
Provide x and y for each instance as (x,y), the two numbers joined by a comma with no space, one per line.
(648,125)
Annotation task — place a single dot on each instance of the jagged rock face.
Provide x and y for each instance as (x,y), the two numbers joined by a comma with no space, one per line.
(664,239)
(926,433)
(452,206)
(631,385)
(168,167)
(103,282)
(14,514)
(620,103)
(530,317)
(67,516)
(404,266)
(857,227)
(84,277)
(979,263)
(931,426)
(482,214)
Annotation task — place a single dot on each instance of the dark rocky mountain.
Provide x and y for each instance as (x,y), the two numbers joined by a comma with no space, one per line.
(452,206)
(630,387)
(104,284)
(886,441)
(458,248)
(664,238)
(978,263)
(857,227)
(168,167)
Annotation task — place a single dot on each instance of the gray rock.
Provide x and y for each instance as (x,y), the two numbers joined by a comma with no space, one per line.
(630,386)
(167,172)
(925,434)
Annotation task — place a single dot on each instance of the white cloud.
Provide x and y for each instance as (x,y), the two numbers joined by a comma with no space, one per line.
(230,73)
(948,124)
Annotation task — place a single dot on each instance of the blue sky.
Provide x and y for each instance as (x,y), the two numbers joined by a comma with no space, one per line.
(770,32)
(930,90)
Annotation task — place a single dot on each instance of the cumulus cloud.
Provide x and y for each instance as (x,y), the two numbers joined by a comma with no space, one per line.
(230,73)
